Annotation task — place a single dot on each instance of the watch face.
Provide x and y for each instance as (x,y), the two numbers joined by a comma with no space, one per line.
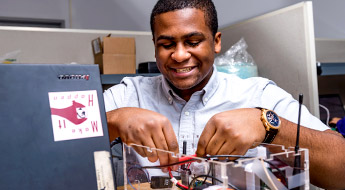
(272,118)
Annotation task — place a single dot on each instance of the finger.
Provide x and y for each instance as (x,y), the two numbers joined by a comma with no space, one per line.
(204,139)
(139,150)
(149,150)
(126,138)
(215,144)
(227,149)
(230,148)
(151,153)
(171,143)
(145,151)
(160,142)
(135,138)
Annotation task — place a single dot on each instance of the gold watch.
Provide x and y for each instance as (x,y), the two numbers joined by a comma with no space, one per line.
(271,122)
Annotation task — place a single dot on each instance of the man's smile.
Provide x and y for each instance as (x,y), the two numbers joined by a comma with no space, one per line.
(184,70)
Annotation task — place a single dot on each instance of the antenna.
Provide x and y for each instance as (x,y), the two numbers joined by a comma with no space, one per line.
(297,164)
(300,100)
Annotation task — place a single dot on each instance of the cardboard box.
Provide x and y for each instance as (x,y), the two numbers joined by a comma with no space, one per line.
(115,55)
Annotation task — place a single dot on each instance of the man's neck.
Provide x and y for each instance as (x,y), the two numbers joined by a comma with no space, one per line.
(187,93)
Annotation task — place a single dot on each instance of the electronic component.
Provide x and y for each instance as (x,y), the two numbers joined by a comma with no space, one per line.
(160,182)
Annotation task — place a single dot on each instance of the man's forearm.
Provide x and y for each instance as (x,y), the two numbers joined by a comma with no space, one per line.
(111,117)
(325,171)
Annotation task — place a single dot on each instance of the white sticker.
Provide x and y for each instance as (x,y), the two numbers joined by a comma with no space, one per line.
(104,171)
(75,115)
(96,46)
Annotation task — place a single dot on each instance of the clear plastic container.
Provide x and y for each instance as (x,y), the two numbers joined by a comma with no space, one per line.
(277,168)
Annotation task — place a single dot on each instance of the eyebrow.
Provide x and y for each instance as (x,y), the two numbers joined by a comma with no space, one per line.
(165,37)
(192,34)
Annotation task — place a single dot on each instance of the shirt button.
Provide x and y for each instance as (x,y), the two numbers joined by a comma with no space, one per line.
(205,99)
(186,113)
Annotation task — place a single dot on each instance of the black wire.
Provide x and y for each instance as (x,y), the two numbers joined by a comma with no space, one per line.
(208,173)
(271,164)
(167,165)
(279,170)
(116,141)
(231,156)
(179,186)
(216,156)
(209,176)
(194,159)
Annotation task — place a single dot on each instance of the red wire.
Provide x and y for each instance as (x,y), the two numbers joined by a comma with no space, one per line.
(187,158)
(178,183)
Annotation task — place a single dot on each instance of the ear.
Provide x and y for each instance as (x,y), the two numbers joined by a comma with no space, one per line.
(217,42)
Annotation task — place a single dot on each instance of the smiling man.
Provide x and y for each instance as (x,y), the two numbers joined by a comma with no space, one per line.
(215,113)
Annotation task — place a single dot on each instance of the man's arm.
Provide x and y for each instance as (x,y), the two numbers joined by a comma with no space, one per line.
(143,127)
(326,153)
(235,131)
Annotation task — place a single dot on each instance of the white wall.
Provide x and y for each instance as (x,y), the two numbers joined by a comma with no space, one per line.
(134,14)
(38,9)
(329,19)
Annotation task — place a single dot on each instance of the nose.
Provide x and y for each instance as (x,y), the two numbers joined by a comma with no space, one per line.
(180,53)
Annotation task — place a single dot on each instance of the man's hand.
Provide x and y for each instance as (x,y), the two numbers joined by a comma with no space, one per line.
(144,127)
(334,120)
(231,132)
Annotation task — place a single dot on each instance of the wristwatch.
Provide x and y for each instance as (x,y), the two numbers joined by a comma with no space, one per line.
(271,122)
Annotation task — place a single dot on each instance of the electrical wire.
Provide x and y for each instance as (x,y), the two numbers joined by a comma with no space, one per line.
(178,184)
(194,159)
(268,176)
(239,156)
(328,114)
(226,156)
(116,141)
(168,165)
(209,176)
(189,160)
(279,170)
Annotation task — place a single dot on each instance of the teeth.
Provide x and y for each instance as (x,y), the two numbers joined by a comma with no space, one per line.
(184,70)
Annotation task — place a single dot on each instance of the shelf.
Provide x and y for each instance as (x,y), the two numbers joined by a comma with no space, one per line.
(332,69)
(116,78)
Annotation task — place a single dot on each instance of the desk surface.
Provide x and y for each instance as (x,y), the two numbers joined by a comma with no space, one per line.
(136,186)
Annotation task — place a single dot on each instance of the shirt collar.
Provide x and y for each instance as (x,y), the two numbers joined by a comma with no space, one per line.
(211,86)
(207,92)
(167,90)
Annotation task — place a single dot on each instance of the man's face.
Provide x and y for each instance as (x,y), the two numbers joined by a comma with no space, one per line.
(185,48)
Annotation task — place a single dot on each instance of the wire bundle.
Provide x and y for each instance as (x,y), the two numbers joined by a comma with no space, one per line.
(201,180)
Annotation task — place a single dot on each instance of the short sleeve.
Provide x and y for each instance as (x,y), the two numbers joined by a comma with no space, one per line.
(277,99)
(114,96)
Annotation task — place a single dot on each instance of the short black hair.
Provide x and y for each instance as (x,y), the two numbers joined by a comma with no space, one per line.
(207,6)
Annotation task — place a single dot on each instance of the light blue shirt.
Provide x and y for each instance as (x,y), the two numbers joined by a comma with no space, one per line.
(222,93)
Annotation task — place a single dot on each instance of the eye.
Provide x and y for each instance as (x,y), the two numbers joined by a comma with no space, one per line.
(193,43)
(166,45)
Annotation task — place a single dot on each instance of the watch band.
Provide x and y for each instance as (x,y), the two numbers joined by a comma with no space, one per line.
(270,135)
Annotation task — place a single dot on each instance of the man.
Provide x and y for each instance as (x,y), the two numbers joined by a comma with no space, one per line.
(339,124)
(215,113)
